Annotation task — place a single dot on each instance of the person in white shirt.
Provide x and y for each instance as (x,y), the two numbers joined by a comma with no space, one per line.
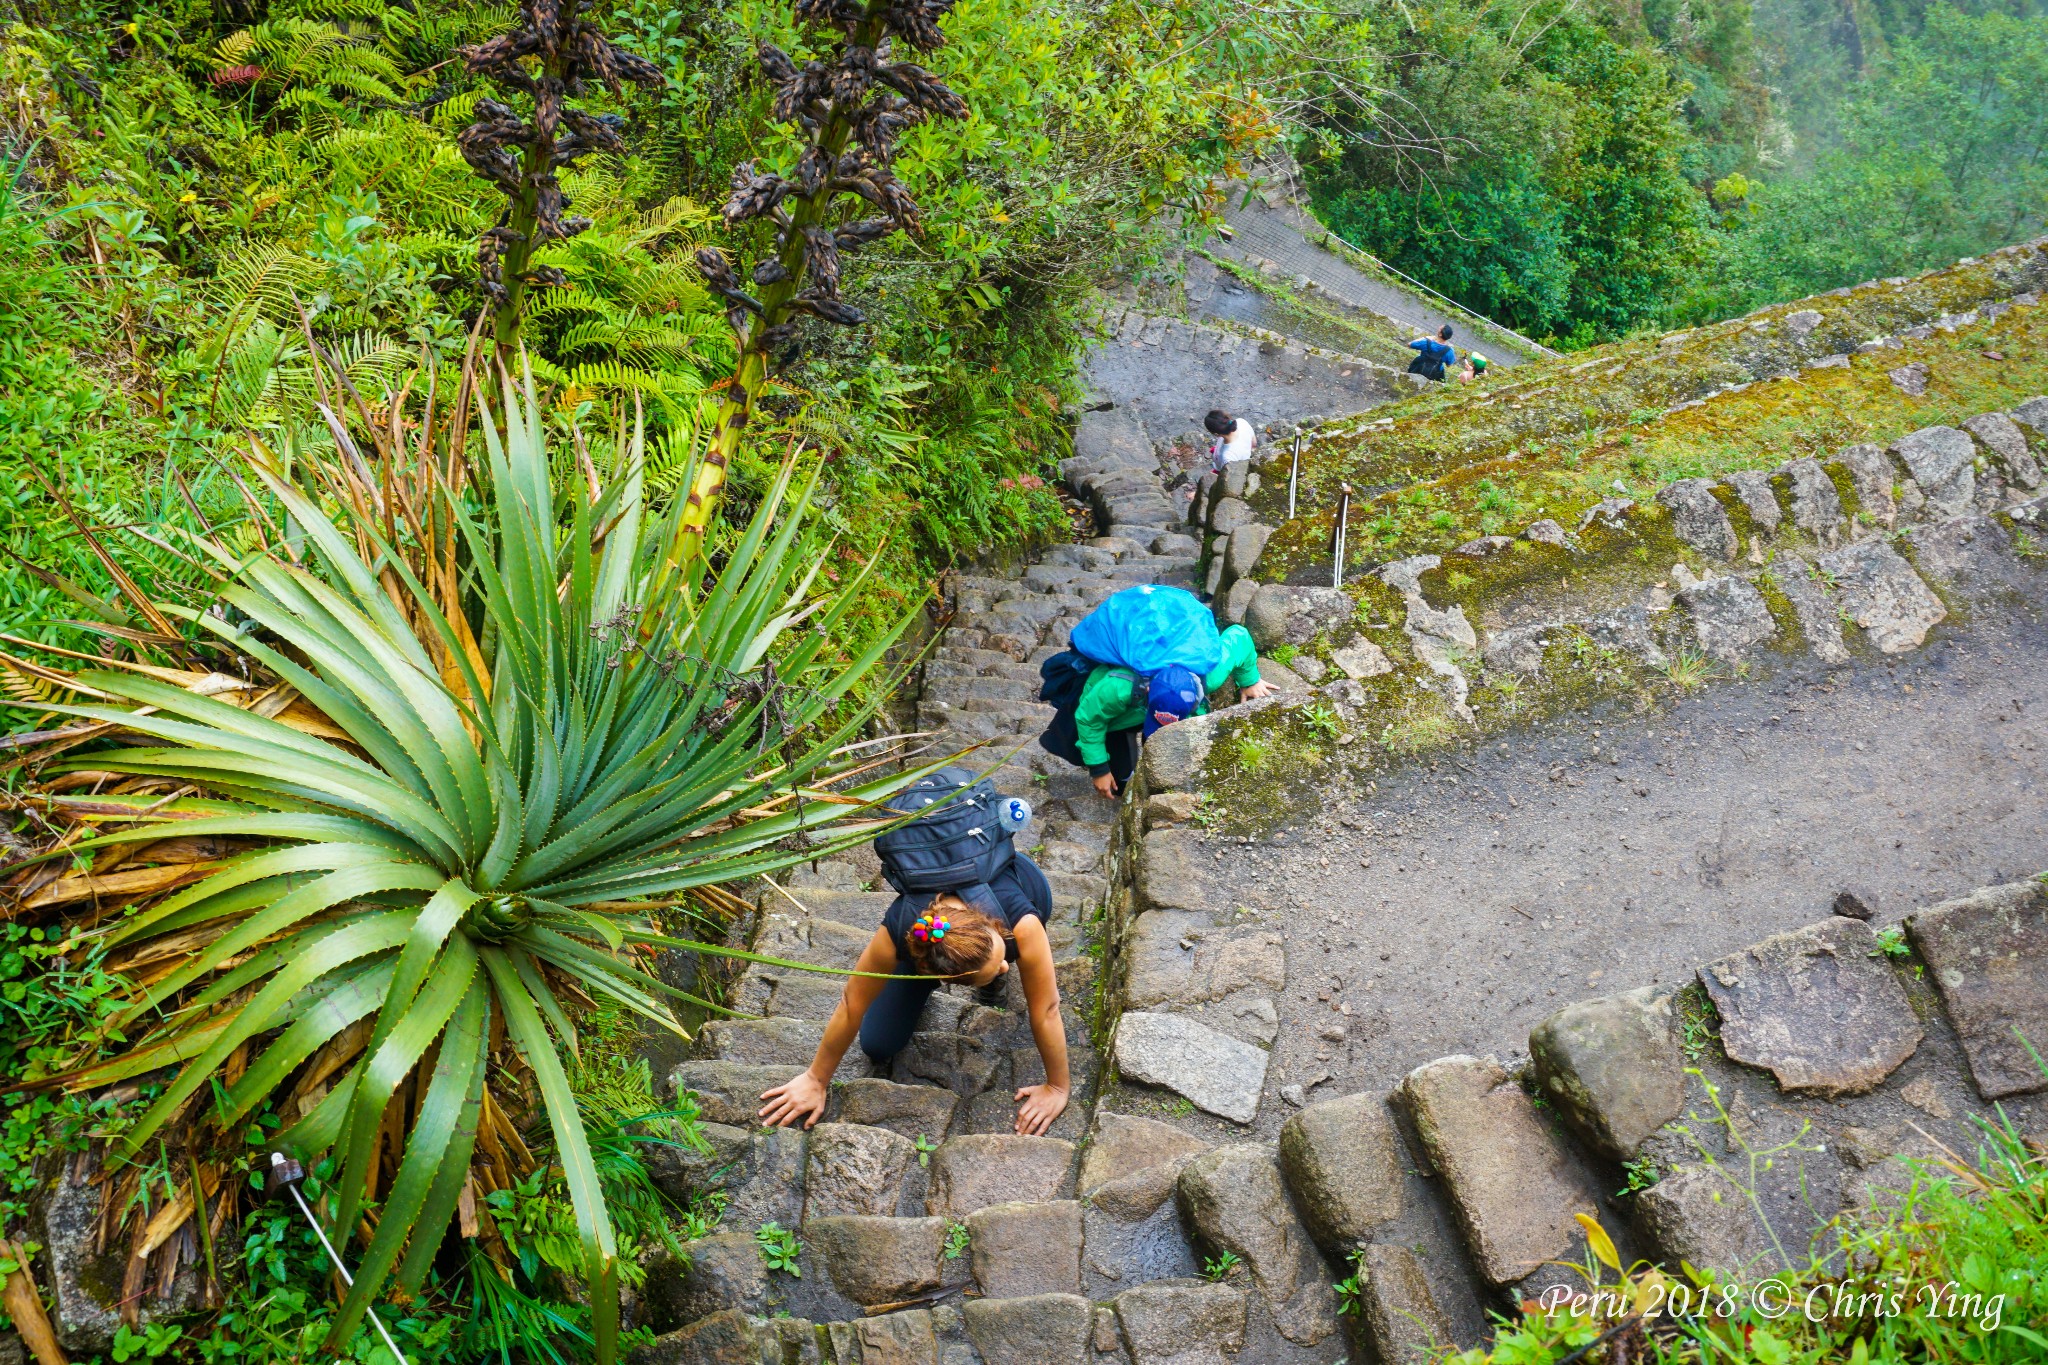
(1235,439)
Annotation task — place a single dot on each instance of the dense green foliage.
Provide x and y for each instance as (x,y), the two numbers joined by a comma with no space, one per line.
(1600,168)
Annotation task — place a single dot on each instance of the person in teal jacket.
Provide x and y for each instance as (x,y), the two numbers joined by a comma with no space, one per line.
(1112,713)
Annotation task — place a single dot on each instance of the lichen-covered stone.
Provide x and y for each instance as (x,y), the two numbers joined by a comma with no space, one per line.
(728,1092)
(1753,489)
(1344,1165)
(1942,462)
(900,1338)
(1988,952)
(1870,474)
(2002,436)
(1234,1200)
(1281,615)
(1698,518)
(724,1338)
(1819,1008)
(1613,1069)
(1813,608)
(1729,616)
(1509,1181)
(1882,594)
(1816,506)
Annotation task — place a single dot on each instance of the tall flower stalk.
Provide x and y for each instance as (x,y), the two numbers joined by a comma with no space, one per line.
(848,109)
(520,156)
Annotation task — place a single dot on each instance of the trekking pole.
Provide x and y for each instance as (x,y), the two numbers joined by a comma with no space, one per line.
(1294,474)
(286,1174)
(1337,539)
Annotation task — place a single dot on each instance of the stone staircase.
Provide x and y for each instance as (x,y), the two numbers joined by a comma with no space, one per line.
(929,1231)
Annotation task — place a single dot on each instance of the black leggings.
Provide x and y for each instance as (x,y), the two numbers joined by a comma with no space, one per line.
(1123,747)
(886,1028)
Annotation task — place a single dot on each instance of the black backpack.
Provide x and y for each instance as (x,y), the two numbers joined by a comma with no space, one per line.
(958,842)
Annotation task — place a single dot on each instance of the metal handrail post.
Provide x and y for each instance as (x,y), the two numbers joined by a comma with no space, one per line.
(1337,546)
(1294,474)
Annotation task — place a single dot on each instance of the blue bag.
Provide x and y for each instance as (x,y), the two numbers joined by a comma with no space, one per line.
(1148,627)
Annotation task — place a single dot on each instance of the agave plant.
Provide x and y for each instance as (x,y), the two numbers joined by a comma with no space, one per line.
(490,782)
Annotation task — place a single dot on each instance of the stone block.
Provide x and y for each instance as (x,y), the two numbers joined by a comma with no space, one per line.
(1870,474)
(1181,1324)
(1819,1008)
(1700,1217)
(1044,1329)
(912,1110)
(1174,957)
(1942,462)
(1813,607)
(1247,543)
(1282,615)
(724,1270)
(729,1092)
(874,1260)
(901,1338)
(1345,1167)
(84,1283)
(759,1171)
(855,1169)
(977,1170)
(1882,594)
(724,1338)
(1020,1249)
(1228,514)
(1221,1074)
(1816,506)
(1729,616)
(761,1042)
(1175,870)
(2002,436)
(1613,1069)
(1136,1170)
(1234,1200)
(1238,600)
(1698,518)
(1361,659)
(1508,1179)
(1174,757)
(1753,490)
(1401,1317)
(1988,952)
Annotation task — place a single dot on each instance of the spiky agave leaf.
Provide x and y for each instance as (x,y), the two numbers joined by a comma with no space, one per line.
(460,864)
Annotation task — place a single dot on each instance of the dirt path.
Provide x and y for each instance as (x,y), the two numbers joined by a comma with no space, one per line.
(1610,852)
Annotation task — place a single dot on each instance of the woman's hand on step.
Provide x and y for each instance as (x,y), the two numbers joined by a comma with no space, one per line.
(1037,1107)
(799,1100)
(1105,786)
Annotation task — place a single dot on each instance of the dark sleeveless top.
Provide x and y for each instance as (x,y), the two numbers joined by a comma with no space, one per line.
(1018,892)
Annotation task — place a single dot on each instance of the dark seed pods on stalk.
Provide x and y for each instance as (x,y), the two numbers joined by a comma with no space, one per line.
(848,106)
(521,155)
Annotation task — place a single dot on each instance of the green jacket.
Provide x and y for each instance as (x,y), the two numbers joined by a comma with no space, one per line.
(1110,699)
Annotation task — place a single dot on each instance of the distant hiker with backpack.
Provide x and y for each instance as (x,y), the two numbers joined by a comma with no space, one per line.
(1235,439)
(1437,354)
(1147,656)
(970,907)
